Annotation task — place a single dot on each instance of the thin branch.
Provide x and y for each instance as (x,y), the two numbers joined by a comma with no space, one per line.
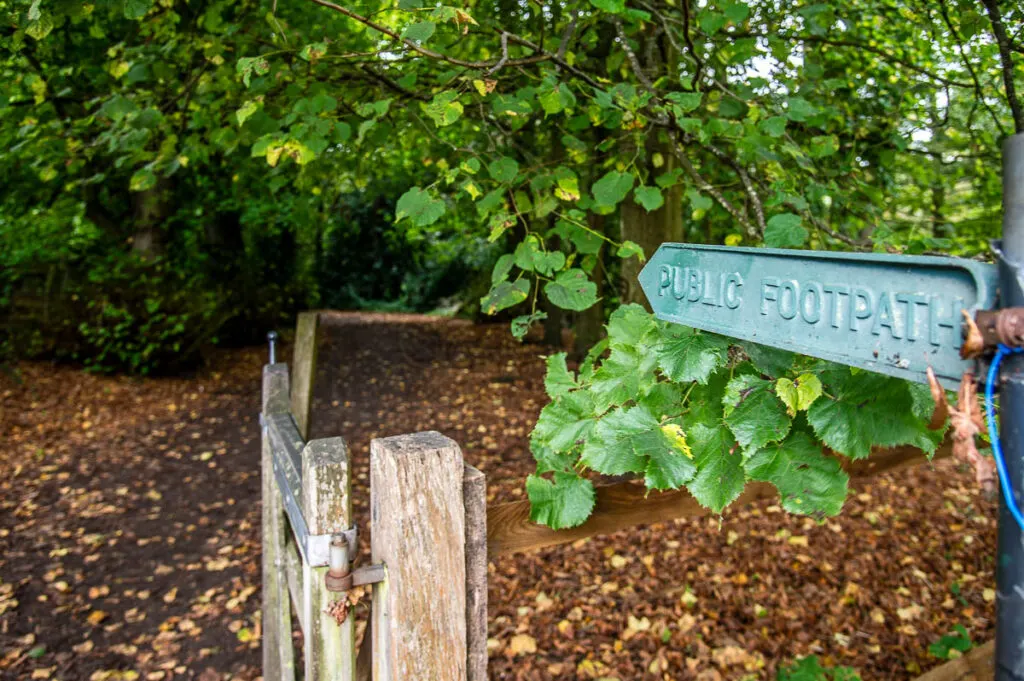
(570,30)
(504,56)
(978,91)
(392,85)
(999,31)
(638,69)
(689,43)
(886,56)
(710,189)
(480,65)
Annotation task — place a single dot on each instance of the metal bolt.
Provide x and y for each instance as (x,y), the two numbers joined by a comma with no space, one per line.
(272,339)
(338,577)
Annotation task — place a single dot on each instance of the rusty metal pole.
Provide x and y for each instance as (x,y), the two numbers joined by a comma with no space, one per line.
(1010,552)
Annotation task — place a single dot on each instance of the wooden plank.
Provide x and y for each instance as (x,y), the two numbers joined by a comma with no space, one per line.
(474,496)
(626,504)
(327,507)
(293,574)
(976,665)
(304,355)
(419,610)
(278,654)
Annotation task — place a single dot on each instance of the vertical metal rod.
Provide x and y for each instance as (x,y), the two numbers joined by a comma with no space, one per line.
(272,339)
(1010,552)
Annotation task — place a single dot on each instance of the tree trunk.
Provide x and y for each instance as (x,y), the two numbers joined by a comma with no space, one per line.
(650,229)
(149,210)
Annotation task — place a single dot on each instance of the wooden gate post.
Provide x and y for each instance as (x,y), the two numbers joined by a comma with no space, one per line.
(278,654)
(418,533)
(304,369)
(327,508)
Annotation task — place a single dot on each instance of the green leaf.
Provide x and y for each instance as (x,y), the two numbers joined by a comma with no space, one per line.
(864,410)
(624,376)
(502,268)
(572,290)
(685,102)
(41,26)
(503,170)
(247,66)
(736,12)
(628,249)
(754,413)
(799,109)
(313,51)
(505,295)
(612,188)
(785,231)
(555,98)
(548,460)
(567,187)
(808,668)
(768,360)
(558,380)
(136,9)
(565,421)
(420,206)
(420,31)
(521,325)
(809,482)
(565,501)
(444,109)
(649,197)
(633,441)
(774,126)
(671,466)
(711,22)
(958,640)
(720,476)
(610,6)
(798,394)
(245,111)
(587,366)
(142,179)
(630,325)
(530,257)
(663,400)
(686,355)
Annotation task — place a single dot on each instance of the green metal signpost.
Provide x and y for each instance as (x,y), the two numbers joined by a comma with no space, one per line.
(892,314)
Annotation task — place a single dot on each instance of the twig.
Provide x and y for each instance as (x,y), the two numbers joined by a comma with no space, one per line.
(999,31)
(479,65)
(570,30)
(638,70)
(978,91)
(709,189)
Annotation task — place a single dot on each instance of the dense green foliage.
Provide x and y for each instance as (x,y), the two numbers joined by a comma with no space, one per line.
(268,155)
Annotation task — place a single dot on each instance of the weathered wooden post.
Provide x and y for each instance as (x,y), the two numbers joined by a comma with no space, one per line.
(474,496)
(278,656)
(418,534)
(304,369)
(327,507)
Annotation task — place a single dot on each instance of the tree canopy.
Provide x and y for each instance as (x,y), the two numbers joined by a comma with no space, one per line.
(230,161)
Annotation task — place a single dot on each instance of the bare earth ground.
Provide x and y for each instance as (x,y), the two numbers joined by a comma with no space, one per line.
(129,530)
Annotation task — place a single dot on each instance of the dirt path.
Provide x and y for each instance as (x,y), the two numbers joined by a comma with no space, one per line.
(129,531)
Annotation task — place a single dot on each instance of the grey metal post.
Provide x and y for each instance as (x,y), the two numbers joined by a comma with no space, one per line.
(1010,552)
(272,339)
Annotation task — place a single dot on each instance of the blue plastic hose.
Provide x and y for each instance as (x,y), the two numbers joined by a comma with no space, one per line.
(990,419)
